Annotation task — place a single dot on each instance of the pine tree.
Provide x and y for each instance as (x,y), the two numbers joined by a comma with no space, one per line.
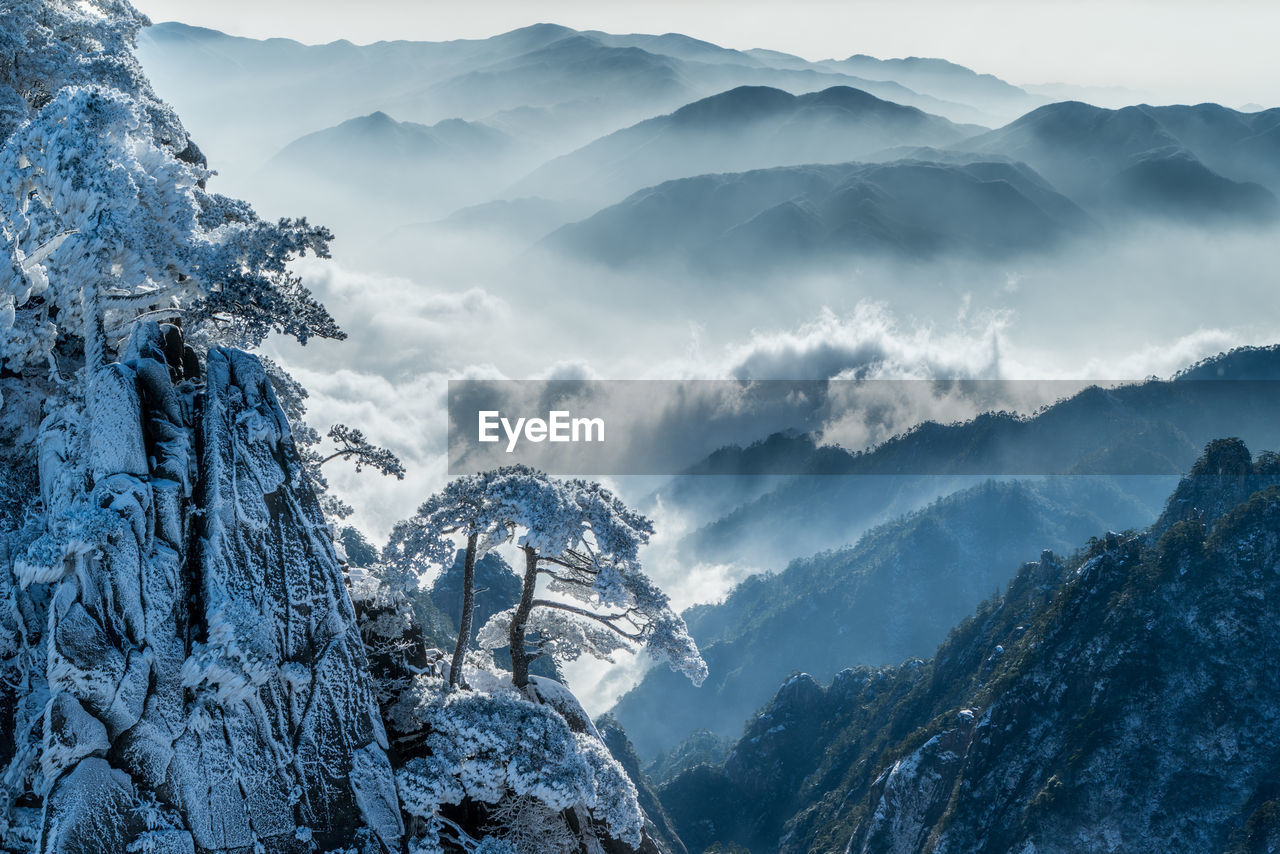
(578,537)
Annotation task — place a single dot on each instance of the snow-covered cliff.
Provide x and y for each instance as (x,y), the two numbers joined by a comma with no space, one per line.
(206,682)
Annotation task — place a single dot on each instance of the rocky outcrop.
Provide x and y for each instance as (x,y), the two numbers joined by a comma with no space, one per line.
(207,683)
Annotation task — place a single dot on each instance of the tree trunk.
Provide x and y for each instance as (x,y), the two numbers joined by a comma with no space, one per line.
(468,608)
(519,657)
(93,331)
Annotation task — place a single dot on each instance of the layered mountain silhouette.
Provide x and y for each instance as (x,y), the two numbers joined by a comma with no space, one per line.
(1197,163)
(1140,432)
(706,154)
(750,127)
(569,67)
(773,217)
(917,76)
(402,170)
(993,194)
(377,144)
(599,81)
(942,79)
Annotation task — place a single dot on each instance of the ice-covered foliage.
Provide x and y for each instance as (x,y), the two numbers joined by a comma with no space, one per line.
(577,535)
(518,502)
(352,445)
(500,748)
(465,507)
(46,45)
(560,635)
(104,225)
(105,218)
(529,826)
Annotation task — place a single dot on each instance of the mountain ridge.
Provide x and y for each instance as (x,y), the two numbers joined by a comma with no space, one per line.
(747,127)
(1113,700)
(824,214)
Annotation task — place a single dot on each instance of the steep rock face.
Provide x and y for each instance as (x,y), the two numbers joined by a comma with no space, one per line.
(1148,725)
(207,683)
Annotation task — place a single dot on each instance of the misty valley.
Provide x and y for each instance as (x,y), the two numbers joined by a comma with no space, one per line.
(919,436)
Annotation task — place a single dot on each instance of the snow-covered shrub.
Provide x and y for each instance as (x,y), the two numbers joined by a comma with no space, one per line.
(529,826)
(492,748)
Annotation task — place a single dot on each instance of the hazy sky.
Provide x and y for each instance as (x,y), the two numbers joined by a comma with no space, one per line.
(1175,50)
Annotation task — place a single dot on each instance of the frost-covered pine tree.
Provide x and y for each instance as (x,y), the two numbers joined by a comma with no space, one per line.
(583,542)
(105,226)
(466,509)
(349,444)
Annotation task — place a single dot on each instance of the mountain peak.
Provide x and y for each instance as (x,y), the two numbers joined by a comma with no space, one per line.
(741,103)
(1242,363)
(541,30)
(850,97)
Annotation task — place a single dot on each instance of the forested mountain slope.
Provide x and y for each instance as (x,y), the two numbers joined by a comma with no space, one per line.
(1120,699)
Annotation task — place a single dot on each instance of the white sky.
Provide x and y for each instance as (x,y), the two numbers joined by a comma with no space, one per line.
(1176,50)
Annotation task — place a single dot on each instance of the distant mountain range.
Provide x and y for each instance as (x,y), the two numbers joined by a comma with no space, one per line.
(1019,189)
(1117,699)
(938,77)
(402,144)
(1194,163)
(367,174)
(751,127)
(566,66)
(696,157)
(777,217)
(596,82)
(418,171)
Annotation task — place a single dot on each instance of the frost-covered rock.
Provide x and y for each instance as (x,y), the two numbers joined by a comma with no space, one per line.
(207,683)
(528,768)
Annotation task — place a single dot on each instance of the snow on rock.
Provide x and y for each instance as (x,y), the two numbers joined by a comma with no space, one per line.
(549,692)
(95,810)
(207,683)
(272,594)
(915,791)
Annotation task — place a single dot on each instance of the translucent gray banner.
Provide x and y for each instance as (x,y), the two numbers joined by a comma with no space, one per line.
(843,427)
